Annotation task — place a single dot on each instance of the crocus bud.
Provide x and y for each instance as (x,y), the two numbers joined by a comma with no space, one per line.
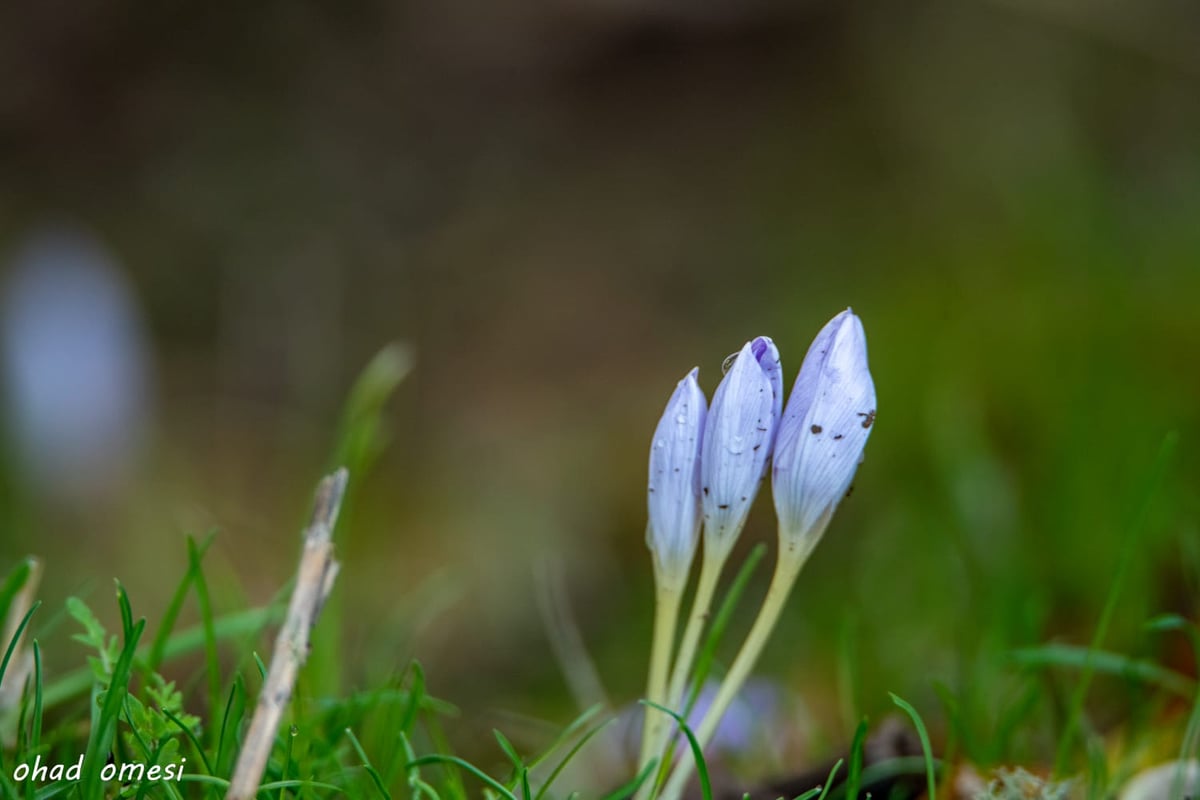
(823,432)
(738,438)
(673,498)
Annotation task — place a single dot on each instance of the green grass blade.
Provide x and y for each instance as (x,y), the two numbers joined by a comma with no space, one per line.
(191,737)
(436,735)
(849,670)
(35,735)
(234,625)
(1133,535)
(567,732)
(926,748)
(371,771)
(159,646)
(487,780)
(8,652)
(288,758)
(12,644)
(854,780)
(1105,662)
(708,651)
(126,611)
(958,724)
(829,781)
(22,717)
(509,751)
(416,695)
(360,439)
(148,756)
(697,752)
(231,721)
(212,662)
(104,728)
(13,581)
(820,792)
(1011,718)
(627,790)
(361,435)
(54,790)
(299,784)
(562,764)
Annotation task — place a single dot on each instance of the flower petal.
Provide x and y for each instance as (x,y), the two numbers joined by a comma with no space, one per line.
(673,496)
(824,430)
(738,439)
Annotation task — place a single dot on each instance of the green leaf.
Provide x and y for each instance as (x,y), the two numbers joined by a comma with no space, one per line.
(235,710)
(438,758)
(926,748)
(587,737)
(1129,547)
(362,754)
(1105,662)
(167,626)
(104,727)
(854,781)
(697,753)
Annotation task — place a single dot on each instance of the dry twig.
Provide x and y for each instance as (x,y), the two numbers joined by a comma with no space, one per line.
(314,580)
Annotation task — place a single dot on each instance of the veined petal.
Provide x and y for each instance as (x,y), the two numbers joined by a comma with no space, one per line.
(823,431)
(738,439)
(673,499)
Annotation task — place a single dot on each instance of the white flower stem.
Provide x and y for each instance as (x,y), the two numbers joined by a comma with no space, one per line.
(706,588)
(666,616)
(787,567)
(710,571)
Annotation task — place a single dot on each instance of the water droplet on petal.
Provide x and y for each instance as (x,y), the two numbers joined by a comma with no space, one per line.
(727,364)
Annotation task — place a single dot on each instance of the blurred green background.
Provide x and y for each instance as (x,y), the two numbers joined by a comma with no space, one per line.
(562,206)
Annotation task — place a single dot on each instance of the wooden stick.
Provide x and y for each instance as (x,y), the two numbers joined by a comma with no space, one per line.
(314,581)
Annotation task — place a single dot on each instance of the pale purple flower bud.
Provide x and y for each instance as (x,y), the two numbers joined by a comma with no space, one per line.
(673,498)
(738,439)
(823,431)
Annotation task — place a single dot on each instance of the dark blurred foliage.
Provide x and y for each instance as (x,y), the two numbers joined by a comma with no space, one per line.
(562,206)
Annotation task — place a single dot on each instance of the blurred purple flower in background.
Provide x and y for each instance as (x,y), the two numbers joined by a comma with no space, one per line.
(74,360)
(764,721)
